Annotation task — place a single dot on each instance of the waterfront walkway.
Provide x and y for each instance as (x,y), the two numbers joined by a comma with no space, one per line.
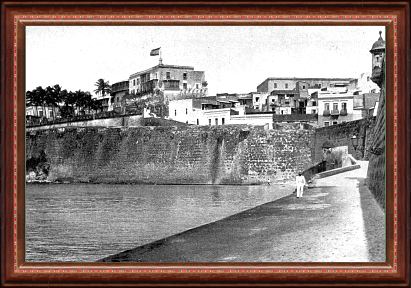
(337,220)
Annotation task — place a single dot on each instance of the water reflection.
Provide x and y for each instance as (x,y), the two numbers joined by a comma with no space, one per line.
(216,196)
(86,222)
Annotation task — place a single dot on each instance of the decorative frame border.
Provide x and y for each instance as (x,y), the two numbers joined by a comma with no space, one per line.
(374,269)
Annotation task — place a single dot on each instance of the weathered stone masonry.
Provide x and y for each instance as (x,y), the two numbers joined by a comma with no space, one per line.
(173,155)
(340,135)
(376,166)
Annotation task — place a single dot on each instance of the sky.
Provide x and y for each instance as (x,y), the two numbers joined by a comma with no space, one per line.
(235,59)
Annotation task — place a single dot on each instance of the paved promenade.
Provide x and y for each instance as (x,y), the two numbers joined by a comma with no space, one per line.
(337,220)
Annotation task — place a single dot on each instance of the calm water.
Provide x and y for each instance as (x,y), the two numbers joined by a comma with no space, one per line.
(86,222)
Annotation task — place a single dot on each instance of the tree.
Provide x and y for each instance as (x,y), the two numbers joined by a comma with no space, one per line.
(68,99)
(53,97)
(95,105)
(36,98)
(103,87)
(32,101)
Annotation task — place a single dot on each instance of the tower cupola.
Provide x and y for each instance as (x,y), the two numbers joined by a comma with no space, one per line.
(378,55)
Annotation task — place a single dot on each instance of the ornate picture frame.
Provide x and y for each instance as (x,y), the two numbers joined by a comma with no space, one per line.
(17,15)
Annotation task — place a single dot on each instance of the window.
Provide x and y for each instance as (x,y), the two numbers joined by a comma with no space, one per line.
(257,99)
(51,113)
(197,86)
(287,102)
(198,122)
(313,111)
(314,103)
(344,106)
(327,106)
(175,112)
(326,123)
(222,121)
(286,85)
(168,76)
(184,76)
(186,111)
(216,121)
(134,82)
(335,106)
(282,111)
(335,122)
(209,122)
(41,113)
(185,86)
(275,85)
(303,86)
(273,100)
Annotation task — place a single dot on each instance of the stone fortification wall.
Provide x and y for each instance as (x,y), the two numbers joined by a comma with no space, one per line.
(376,166)
(165,155)
(340,135)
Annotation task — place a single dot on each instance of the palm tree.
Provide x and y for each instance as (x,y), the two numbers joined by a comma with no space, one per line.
(56,101)
(53,97)
(68,99)
(103,87)
(39,98)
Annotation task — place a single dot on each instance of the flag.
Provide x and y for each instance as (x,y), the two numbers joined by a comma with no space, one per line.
(155,52)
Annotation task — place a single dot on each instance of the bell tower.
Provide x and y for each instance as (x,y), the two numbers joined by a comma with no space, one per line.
(378,55)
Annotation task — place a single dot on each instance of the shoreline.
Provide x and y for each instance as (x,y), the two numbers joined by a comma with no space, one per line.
(277,231)
(175,238)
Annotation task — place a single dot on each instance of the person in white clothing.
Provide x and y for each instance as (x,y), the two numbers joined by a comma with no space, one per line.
(300,181)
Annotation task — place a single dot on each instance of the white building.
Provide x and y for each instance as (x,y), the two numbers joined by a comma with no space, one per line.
(335,106)
(208,111)
(259,100)
(366,85)
(106,100)
(39,111)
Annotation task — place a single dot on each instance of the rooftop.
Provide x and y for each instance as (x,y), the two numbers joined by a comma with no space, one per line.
(379,44)
(161,66)
(309,78)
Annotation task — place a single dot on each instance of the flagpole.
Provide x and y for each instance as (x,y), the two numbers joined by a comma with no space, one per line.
(160,61)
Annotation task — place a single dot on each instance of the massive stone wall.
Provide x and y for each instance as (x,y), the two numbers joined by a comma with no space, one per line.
(340,135)
(376,166)
(172,155)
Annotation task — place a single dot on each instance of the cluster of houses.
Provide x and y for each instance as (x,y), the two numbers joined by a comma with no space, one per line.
(317,101)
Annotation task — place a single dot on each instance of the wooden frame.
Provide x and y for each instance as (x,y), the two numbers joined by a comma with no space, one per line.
(16,15)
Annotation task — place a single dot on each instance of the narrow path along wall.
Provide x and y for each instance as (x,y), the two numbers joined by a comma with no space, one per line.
(171,155)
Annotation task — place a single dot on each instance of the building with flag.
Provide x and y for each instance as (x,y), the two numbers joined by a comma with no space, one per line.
(174,81)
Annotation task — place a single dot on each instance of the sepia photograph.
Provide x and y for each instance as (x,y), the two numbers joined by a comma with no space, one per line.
(194,144)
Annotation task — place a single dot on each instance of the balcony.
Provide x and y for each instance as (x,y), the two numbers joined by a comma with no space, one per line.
(171,84)
(335,112)
(326,113)
(120,86)
(149,86)
(343,112)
